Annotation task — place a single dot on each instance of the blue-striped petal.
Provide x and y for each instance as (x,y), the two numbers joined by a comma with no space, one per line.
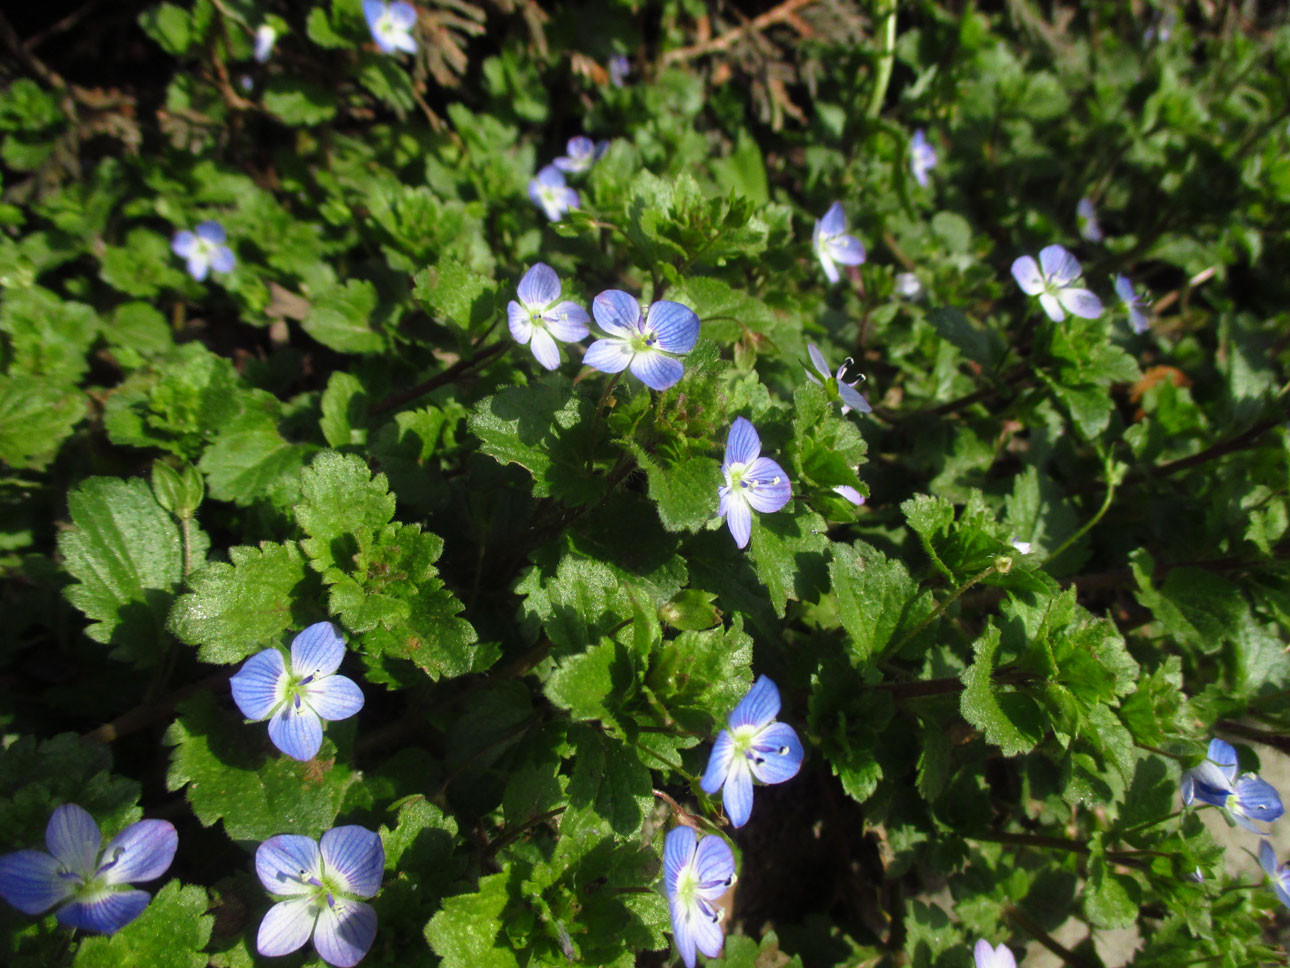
(834,221)
(742,443)
(73,837)
(539,287)
(106,914)
(285,863)
(715,865)
(29,881)
(286,927)
(737,792)
(718,763)
(768,487)
(344,932)
(141,852)
(759,707)
(1059,266)
(608,355)
(257,686)
(678,849)
(778,754)
(656,371)
(675,326)
(296,730)
(317,650)
(617,313)
(355,857)
(738,519)
(567,321)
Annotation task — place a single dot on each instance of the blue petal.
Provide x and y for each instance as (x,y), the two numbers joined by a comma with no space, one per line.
(284,862)
(73,837)
(544,349)
(107,914)
(223,260)
(780,754)
(1059,266)
(539,287)
(826,262)
(739,519)
(608,355)
(834,221)
(683,918)
(520,322)
(317,650)
(580,146)
(29,881)
(1267,858)
(257,686)
(334,697)
(1281,886)
(1124,289)
(988,957)
(182,244)
(759,707)
(1080,302)
(141,852)
(567,321)
(737,793)
(768,486)
(212,232)
(1052,308)
(198,265)
(344,932)
(286,927)
(403,15)
(297,732)
(1026,271)
(715,864)
(617,313)
(742,443)
(356,857)
(1258,799)
(818,361)
(675,326)
(373,10)
(549,176)
(852,399)
(718,763)
(656,371)
(678,849)
(1138,320)
(1187,789)
(707,933)
(847,250)
(1223,755)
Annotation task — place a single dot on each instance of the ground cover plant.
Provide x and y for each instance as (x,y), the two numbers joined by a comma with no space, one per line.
(493,483)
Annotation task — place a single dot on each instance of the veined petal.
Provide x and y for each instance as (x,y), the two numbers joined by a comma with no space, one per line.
(1267,858)
(834,221)
(73,837)
(759,707)
(742,443)
(212,232)
(544,349)
(257,686)
(1052,307)
(1258,799)
(655,370)
(1124,289)
(683,920)
(29,881)
(1223,756)
(141,852)
(678,849)
(989,957)
(520,322)
(1059,266)
(373,10)
(846,249)
(676,327)
(356,857)
(715,864)
(567,321)
(106,914)
(296,730)
(617,313)
(403,15)
(222,259)
(317,650)
(344,932)
(706,930)
(285,862)
(768,486)
(1080,302)
(334,697)
(723,750)
(818,361)
(182,244)
(1026,271)
(852,399)
(608,355)
(779,754)
(737,792)
(1187,789)
(286,927)
(539,287)
(739,519)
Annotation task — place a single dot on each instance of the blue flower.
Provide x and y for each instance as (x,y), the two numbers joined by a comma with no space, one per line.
(265,36)
(1053,284)
(1133,304)
(1245,799)
(988,957)
(90,887)
(1280,875)
(300,699)
(321,883)
(695,875)
(754,746)
(582,154)
(538,316)
(550,194)
(833,245)
(922,157)
(619,68)
(752,482)
(204,249)
(844,393)
(391,25)
(642,339)
(1086,220)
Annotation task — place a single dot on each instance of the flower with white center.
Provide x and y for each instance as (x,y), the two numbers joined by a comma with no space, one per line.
(833,245)
(922,157)
(1245,799)
(90,887)
(204,249)
(1021,547)
(540,318)
(296,701)
(641,339)
(321,883)
(990,957)
(695,875)
(1052,281)
(752,482)
(619,68)
(1280,875)
(843,393)
(1134,304)
(1086,220)
(582,154)
(754,746)
(264,40)
(549,193)
(908,286)
(391,25)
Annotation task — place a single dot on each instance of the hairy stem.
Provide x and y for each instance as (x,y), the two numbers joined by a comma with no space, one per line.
(886,59)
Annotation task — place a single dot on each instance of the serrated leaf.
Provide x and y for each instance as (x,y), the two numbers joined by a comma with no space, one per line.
(878,602)
(251,460)
(684,492)
(36,416)
(340,498)
(340,318)
(609,778)
(454,293)
(1009,720)
(787,551)
(170,933)
(465,932)
(344,411)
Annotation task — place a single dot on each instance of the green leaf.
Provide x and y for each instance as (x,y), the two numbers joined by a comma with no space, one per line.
(250,460)
(47,337)
(1009,720)
(878,602)
(340,318)
(36,416)
(588,683)
(454,293)
(170,26)
(610,778)
(465,932)
(296,101)
(1110,901)
(340,499)
(344,411)
(144,266)
(787,551)
(170,933)
(685,492)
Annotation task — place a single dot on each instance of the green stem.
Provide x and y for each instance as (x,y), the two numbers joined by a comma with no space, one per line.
(882,78)
(600,409)
(1032,928)
(1147,823)
(938,611)
(1091,522)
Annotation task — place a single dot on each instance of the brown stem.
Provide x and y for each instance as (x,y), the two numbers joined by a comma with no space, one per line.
(1278,741)
(444,378)
(916,690)
(781,12)
(1028,925)
(142,716)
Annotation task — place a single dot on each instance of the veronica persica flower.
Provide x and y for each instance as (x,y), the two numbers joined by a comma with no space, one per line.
(540,318)
(204,249)
(549,193)
(755,745)
(391,25)
(91,888)
(922,157)
(1245,799)
(264,39)
(1052,280)
(695,875)
(752,483)
(642,339)
(619,68)
(990,957)
(1280,875)
(582,154)
(297,700)
(844,393)
(1134,304)
(321,883)
(1086,221)
(833,245)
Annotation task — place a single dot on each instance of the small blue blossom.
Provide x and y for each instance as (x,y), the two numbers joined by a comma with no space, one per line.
(549,193)
(1086,221)
(641,339)
(1280,875)
(321,883)
(1245,799)
(908,286)
(844,393)
(619,69)
(922,157)
(1053,284)
(695,875)
(582,154)
(754,746)
(296,701)
(391,25)
(90,887)
(833,245)
(540,318)
(752,482)
(990,957)
(265,36)
(1134,304)
(204,249)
